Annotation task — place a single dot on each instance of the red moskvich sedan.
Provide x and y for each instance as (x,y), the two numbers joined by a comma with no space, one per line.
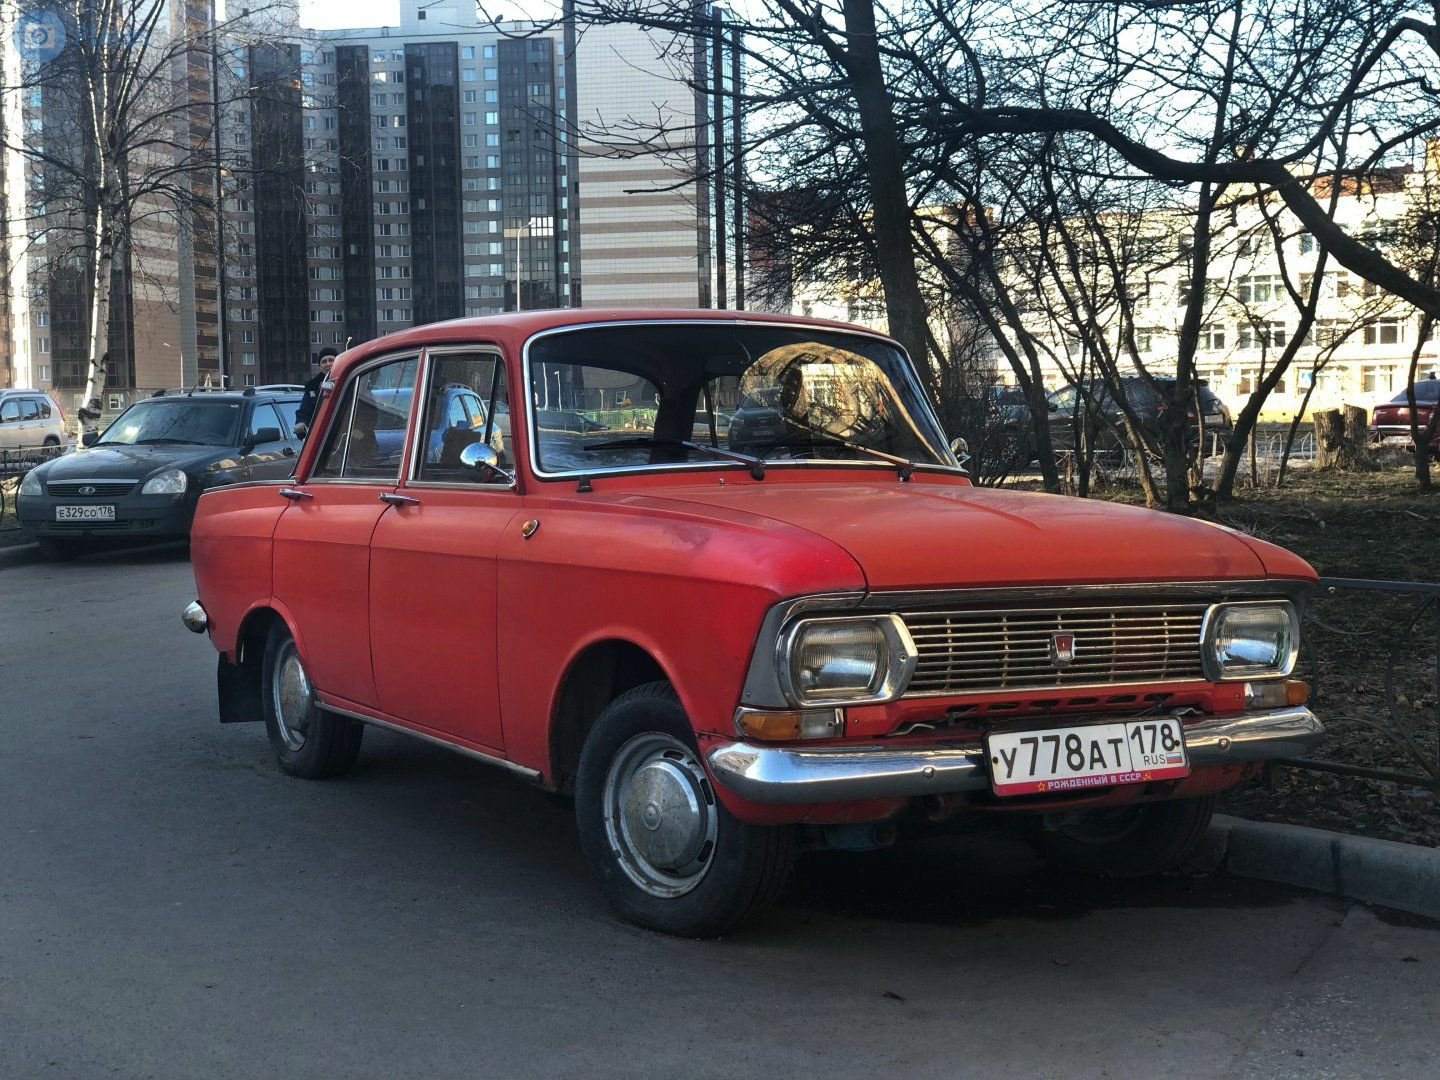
(821,631)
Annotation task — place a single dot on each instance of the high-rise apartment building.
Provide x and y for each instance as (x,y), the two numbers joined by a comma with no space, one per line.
(375,178)
(164,298)
(446,167)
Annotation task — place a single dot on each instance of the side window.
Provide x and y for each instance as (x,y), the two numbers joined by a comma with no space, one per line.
(466,405)
(264,416)
(289,410)
(9,411)
(29,409)
(44,405)
(367,438)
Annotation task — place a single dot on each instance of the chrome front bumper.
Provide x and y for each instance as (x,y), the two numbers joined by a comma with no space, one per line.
(775,774)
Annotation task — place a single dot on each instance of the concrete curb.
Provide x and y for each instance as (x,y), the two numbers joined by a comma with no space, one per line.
(14,553)
(1405,877)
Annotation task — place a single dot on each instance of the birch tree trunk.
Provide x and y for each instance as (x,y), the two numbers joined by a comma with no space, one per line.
(99,322)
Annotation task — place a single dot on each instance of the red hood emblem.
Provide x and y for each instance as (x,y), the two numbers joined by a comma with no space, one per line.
(1062,648)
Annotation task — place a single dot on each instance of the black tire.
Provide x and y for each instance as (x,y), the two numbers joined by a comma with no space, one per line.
(51,440)
(309,742)
(53,549)
(1128,841)
(698,871)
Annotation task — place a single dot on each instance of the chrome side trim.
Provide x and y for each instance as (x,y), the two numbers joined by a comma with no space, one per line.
(488,759)
(775,774)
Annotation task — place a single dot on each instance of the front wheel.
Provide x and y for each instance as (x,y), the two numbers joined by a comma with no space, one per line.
(309,742)
(669,856)
(1127,841)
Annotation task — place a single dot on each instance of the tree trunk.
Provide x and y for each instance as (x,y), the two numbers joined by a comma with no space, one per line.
(90,406)
(1340,442)
(884,160)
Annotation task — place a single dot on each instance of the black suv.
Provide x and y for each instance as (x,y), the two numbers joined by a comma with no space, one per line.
(144,474)
(1103,418)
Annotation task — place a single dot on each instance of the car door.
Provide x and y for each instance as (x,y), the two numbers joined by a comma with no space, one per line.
(10,427)
(434,561)
(272,455)
(322,540)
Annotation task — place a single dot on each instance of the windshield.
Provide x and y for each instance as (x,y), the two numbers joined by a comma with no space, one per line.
(670,394)
(208,423)
(1426,392)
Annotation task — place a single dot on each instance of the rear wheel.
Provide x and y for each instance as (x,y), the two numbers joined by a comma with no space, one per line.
(1127,841)
(309,742)
(669,856)
(51,440)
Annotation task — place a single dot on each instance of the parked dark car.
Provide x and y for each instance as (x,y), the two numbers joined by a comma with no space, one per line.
(143,475)
(1096,413)
(758,421)
(1390,423)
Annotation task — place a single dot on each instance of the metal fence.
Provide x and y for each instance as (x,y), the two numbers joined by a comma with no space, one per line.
(14,464)
(1374,673)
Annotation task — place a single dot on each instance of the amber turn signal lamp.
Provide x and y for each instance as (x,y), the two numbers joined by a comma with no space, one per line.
(774,725)
(1297,691)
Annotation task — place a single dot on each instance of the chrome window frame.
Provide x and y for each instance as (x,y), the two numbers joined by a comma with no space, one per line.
(367,366)
(531,428)
(411,477)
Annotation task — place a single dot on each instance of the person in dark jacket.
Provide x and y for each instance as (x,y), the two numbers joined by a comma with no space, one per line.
(306,412)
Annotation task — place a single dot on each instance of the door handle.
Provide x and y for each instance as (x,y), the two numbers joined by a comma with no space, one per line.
(295,493)
(396,499)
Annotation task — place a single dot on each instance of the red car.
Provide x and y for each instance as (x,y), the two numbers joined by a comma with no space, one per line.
(826,639)
(1391,422)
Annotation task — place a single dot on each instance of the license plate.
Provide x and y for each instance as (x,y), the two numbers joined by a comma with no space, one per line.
(1096,755)
(1214,418)
(84,513)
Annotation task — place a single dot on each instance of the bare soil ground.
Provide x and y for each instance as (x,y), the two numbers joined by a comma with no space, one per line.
(1372,656)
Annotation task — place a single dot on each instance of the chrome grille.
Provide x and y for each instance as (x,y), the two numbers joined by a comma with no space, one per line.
(100,488)
(987,650)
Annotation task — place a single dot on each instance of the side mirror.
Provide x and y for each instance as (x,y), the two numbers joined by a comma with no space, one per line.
(255,438)
(961,449)
(484,460)
(90,438)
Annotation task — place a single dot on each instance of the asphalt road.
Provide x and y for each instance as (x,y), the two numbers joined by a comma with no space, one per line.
(173,906)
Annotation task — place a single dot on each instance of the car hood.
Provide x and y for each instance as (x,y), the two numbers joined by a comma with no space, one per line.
(924,535)
(131,462)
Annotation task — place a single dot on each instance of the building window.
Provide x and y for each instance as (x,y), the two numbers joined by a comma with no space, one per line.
(1262,335)
(1260,288)
(1384,332)
(1212,336)
(247,359)
(249,378)
(1377,380)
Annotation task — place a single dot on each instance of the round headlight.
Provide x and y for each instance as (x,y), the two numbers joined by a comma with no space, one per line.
(30,484)
(169,482)
(846,661)
(1246,641)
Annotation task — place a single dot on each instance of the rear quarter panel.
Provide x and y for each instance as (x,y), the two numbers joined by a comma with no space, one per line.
(230,552)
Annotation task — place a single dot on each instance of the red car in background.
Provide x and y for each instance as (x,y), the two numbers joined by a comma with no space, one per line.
(828,638)
(1390,423)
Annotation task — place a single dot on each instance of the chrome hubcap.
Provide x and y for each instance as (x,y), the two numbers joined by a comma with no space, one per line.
(293,699)
(660,814)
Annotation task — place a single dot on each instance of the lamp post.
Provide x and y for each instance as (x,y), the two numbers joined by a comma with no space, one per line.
(521,232)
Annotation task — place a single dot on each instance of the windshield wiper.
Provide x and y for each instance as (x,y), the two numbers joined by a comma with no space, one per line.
(757,465)
(904,466)
(157,442)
